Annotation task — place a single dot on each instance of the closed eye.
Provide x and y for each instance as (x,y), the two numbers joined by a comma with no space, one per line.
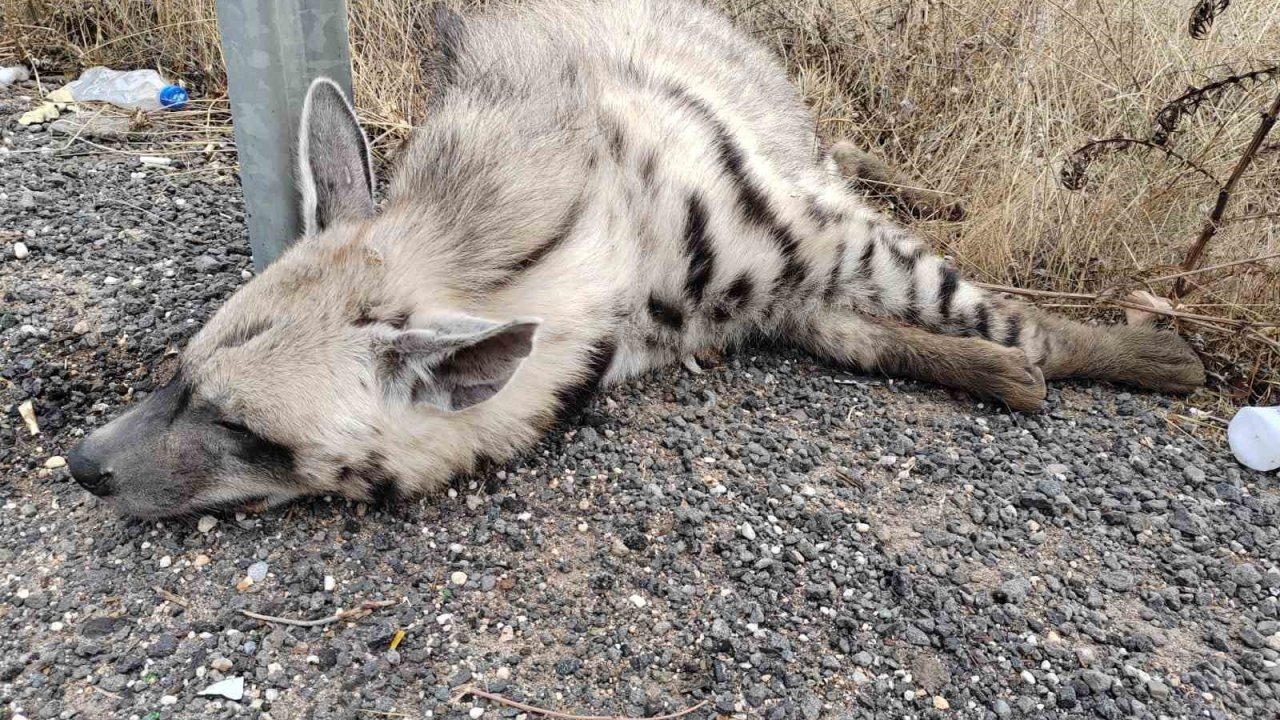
(234,427)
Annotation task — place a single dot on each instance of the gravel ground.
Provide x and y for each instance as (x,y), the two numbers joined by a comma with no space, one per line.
(775,537)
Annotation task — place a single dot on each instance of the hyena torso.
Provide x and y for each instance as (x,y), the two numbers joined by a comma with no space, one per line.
(602,188)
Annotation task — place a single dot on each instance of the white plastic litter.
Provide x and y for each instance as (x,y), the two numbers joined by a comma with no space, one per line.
(232,689)
(1254,434)
(133,89)
(10,75)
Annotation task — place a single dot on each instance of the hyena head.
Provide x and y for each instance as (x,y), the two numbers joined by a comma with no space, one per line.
(299,383)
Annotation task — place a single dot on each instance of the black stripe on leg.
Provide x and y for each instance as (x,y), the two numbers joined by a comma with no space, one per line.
(837,269)
(906,258)
(912,312)
(381,486)
(1013,333)
(982,321)
(571,398)
(947,290)
(736,297)
(866,260)
(665,314)
(697,245)
(648,167)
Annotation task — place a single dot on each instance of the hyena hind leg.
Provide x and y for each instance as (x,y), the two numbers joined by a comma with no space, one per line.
(1140,355)
(974,365)
(907,195)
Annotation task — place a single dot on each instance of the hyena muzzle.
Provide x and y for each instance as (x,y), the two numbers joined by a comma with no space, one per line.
(603,187)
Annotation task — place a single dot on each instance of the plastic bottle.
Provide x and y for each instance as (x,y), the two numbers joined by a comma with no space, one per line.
(1254,434)
(133,89)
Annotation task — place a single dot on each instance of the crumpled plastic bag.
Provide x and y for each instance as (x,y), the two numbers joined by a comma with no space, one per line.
(132,89)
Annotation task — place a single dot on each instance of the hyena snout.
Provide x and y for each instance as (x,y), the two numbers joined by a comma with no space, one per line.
(92,473)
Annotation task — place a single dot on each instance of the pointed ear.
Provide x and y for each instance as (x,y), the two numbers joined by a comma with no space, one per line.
(335,175)
(451,363)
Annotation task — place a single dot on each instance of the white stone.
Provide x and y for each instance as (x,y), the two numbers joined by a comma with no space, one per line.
(206,523)
(55,462)
(638,601)
(20,250)
(329,583)
(458,578)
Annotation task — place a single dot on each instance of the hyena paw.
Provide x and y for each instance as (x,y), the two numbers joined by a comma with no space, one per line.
(1161,360)
(1013,380)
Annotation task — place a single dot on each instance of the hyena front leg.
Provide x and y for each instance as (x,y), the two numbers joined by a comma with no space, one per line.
(973,365)
(886,271)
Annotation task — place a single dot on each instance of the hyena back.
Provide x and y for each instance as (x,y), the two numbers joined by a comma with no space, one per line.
(602,188)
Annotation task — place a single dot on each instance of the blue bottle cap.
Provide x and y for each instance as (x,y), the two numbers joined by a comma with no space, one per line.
(173,97)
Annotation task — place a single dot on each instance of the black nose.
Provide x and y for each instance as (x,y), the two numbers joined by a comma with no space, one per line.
(89,473)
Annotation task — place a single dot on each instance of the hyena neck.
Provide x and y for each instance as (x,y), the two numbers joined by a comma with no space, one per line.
(442,269)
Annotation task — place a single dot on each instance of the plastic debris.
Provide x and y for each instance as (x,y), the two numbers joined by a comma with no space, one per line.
(11,75)
(1254,434)
(28,413)
(133,89)
(232,689)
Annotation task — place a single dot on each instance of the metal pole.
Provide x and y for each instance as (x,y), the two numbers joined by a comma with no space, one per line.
(273,50)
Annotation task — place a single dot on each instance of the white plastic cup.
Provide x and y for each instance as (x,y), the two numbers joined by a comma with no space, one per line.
(1254,434)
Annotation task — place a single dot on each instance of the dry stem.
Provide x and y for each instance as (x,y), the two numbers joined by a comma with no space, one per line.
(357,612)
(1224,195)
(464,690)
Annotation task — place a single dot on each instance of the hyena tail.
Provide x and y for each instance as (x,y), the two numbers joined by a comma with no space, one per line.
(891,273)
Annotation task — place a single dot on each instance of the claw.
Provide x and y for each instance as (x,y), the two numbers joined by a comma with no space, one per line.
(691,364)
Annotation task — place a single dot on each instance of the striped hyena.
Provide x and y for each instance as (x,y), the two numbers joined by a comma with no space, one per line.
(603,187)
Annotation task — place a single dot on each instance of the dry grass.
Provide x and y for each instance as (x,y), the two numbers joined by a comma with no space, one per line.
(982,98)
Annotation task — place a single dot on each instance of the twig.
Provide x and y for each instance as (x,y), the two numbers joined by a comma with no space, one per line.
(112,695)
(1242,324)
(364,609)
(105,199)
(175,599)
(1233,263)
(1224,195)
(463,690)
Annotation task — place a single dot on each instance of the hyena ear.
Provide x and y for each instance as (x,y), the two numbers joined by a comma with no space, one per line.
(452,363)
(335,174)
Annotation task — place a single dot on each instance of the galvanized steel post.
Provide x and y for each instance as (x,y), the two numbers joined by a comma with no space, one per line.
(273,50)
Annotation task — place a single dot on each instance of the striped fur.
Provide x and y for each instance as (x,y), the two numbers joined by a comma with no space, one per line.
(635,179)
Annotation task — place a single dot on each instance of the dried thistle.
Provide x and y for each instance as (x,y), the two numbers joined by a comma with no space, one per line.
(1187,104)
(1203,15)
(1075,169)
